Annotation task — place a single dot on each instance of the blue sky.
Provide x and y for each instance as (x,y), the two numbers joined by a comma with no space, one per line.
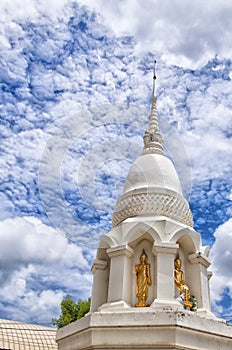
(76,83)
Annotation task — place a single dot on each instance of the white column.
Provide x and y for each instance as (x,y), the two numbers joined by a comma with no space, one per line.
(100,284)
(209,275)
(120,282)
(199,277)
(164,285)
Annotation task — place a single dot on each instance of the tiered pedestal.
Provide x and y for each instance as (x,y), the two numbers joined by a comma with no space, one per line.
(146,328)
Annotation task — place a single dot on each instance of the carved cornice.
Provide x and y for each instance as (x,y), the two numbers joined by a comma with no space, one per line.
(199,258)
(152,203)
(120,250)
(98,265)
(164,248)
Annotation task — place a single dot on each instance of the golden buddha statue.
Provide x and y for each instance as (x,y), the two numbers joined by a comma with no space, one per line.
(180,283)
(143,279)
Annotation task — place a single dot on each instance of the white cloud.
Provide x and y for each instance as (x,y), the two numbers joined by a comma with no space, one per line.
(221,256)
(27,240)
(6,206)
(36,261)
(30,305)
(187,33)
(200,107)
(31,9)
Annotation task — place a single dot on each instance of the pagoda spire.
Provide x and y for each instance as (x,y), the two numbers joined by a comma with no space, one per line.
(152,139)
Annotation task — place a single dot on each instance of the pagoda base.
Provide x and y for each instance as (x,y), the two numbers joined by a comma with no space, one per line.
(146,328)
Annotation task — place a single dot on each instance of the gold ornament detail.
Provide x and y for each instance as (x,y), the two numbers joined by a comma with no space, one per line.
(180,283)
(143,280)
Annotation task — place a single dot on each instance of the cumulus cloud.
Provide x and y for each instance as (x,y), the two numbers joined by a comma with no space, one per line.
(221,256)
(186,33)
(201,109)
(31,9)
(38,267)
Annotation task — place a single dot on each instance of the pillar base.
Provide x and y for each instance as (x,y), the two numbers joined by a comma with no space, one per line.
(114,306)
(167,304)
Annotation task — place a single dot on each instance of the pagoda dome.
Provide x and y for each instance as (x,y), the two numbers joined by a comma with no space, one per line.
(150,172)
(152,187)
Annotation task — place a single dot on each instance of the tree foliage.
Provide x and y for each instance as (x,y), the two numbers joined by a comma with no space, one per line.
(71,311)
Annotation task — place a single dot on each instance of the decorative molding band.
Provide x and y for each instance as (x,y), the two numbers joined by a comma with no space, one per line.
(158,204)
(98,265)
(153,150)
(164,248)
(120,250)
(199,258)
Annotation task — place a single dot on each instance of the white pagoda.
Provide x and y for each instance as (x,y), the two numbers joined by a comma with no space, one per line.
(150,277)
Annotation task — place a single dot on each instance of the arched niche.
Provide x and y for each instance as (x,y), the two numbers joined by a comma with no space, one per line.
(106,242)
(190,238)
(145,242)
(187,246)
(141,231)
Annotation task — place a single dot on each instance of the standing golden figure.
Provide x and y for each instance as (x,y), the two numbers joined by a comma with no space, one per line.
(180,283)
(143,279)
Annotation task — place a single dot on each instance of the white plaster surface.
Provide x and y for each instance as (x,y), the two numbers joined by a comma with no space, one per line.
(158,328)
(100,270)
(152,171)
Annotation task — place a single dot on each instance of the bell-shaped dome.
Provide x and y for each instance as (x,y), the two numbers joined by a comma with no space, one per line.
(152,187)
(152,171)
